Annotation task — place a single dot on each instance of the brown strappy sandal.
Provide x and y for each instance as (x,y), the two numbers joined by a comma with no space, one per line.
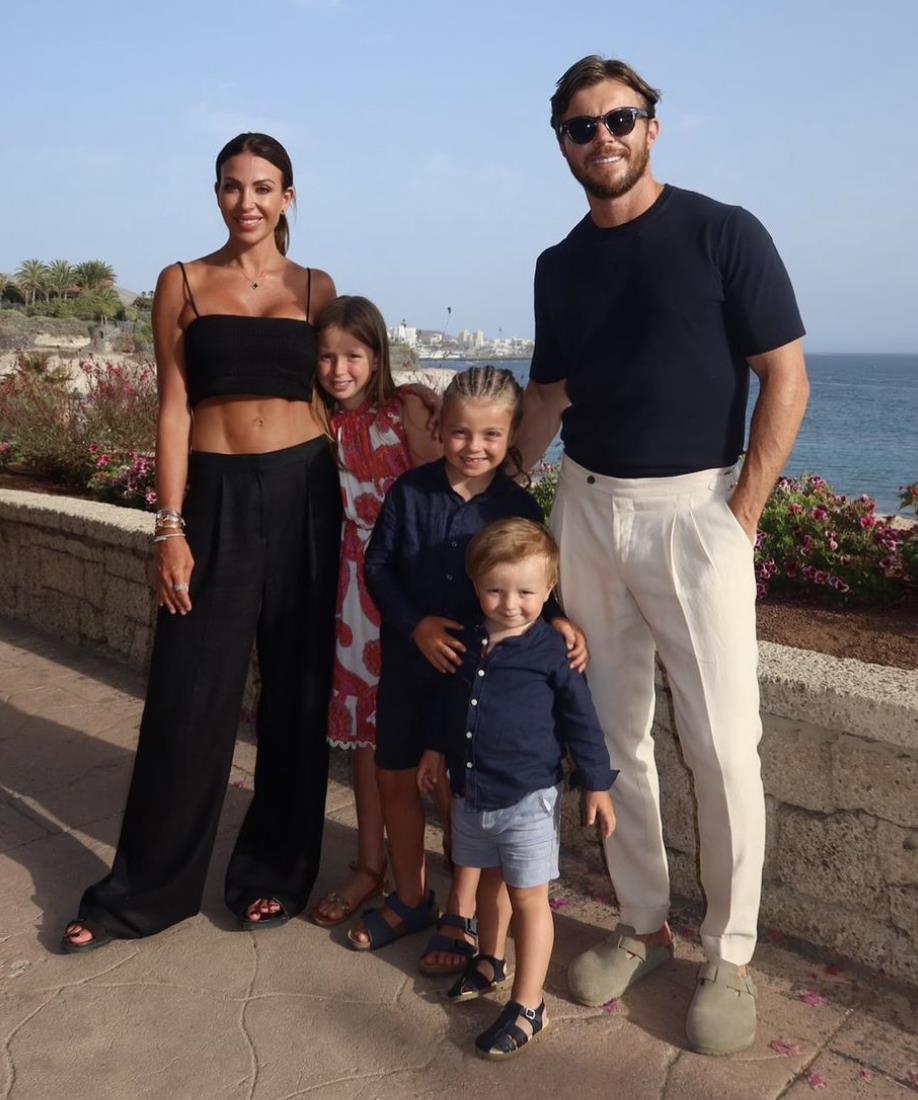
(344,907)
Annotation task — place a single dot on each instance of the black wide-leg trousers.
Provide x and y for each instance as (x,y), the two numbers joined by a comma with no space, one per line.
(264,531)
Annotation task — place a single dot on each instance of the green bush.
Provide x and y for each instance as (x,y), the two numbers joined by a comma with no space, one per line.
(97,436)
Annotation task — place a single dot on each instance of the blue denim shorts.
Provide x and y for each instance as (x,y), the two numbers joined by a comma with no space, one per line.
(522,839)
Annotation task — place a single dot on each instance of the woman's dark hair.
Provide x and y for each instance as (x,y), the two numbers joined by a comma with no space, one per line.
(271,150)
(593,70)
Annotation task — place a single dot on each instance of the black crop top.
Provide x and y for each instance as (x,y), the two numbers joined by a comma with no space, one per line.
(235,354)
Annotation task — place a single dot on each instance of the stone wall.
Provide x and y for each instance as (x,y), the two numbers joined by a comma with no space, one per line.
(839,750)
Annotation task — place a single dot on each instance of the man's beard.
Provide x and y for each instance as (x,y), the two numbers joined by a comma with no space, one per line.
(636,166)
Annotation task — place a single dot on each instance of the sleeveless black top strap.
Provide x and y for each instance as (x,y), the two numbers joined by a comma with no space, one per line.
(188,288)
(308,290)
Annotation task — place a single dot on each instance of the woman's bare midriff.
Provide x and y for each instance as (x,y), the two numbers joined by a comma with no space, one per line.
(248,424)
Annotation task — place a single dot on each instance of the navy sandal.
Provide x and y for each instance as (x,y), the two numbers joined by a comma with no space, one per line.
(412,918)
(451,945)
(473,983)
(504,1038)
(100,937)
(275,921)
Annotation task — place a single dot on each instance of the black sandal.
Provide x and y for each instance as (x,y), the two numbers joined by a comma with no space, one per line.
(504,1038)
(100,937)
(473,983)
(450,945)
(279,918)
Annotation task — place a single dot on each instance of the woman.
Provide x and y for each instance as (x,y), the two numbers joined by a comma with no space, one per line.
(252,558)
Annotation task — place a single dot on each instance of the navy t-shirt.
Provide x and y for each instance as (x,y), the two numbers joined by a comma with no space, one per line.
(650,324)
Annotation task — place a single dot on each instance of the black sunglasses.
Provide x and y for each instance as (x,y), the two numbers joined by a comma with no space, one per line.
(620,122)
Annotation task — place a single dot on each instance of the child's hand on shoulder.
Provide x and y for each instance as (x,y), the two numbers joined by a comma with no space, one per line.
(597,809)
(429,770)
(577,652)
(432,637)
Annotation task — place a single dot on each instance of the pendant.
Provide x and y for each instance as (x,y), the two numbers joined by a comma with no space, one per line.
(254,286)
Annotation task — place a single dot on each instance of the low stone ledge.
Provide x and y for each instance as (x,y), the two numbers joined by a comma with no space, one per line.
(839,748)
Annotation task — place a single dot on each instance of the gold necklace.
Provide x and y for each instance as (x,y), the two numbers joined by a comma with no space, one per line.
(253,283)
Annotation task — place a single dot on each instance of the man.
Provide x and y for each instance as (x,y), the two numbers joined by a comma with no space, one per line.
(648,316)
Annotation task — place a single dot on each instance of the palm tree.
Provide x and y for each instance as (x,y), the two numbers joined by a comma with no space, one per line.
(32,278)
(94,275)
(61,277)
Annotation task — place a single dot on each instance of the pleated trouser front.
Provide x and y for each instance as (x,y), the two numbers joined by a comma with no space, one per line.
(264,531)
(661,564)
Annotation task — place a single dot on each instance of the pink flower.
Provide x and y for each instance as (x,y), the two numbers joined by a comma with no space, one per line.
(790,568)
(93,448)
(868,521)
(820,576)
(833,545)
(784,1050)
(811,998)
(5,448)
(150,497)
(761,590)
(819,514)
(816,1081)
(795,509)
(612,1008)
(102,461)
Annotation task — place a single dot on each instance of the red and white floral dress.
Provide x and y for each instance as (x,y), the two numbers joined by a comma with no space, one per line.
(372,453)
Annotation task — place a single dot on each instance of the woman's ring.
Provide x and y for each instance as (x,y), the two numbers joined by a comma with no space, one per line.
(180,588)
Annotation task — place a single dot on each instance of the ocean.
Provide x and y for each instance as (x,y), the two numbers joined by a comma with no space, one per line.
(861,428)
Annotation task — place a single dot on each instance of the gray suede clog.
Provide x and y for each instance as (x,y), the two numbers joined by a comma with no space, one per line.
(721,1018)
(612,966)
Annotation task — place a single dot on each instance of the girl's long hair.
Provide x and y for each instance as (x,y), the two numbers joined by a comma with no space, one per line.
(358,317)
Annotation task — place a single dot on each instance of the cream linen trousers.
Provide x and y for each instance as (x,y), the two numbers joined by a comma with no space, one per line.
(662,564)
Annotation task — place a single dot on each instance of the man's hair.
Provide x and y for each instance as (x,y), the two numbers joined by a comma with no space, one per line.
(593,70)
(509,541)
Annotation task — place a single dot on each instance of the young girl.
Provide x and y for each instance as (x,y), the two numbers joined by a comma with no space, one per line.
(415,568)
(379,434)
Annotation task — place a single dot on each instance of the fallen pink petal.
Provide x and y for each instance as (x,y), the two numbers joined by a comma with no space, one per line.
(835,969)
(817,1081)
(775,937)
(811,998)
(864,1075)
(557,903)
(612,1007)
(785,1050)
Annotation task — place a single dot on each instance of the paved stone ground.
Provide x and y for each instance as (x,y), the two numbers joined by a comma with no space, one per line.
(203,1011)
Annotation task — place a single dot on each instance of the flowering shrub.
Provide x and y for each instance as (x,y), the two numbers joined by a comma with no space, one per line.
(127,480)
(545,485)
(93,431)
(812,540)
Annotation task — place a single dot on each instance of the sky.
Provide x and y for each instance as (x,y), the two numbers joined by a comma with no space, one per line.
(426,173)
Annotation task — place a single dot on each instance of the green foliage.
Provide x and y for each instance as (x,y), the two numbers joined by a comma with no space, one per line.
(544,486)
(814,540)
(97,436)
(100,305)
(93,275)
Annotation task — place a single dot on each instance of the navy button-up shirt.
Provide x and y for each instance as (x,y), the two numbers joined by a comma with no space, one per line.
(507,718)
(415,560)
